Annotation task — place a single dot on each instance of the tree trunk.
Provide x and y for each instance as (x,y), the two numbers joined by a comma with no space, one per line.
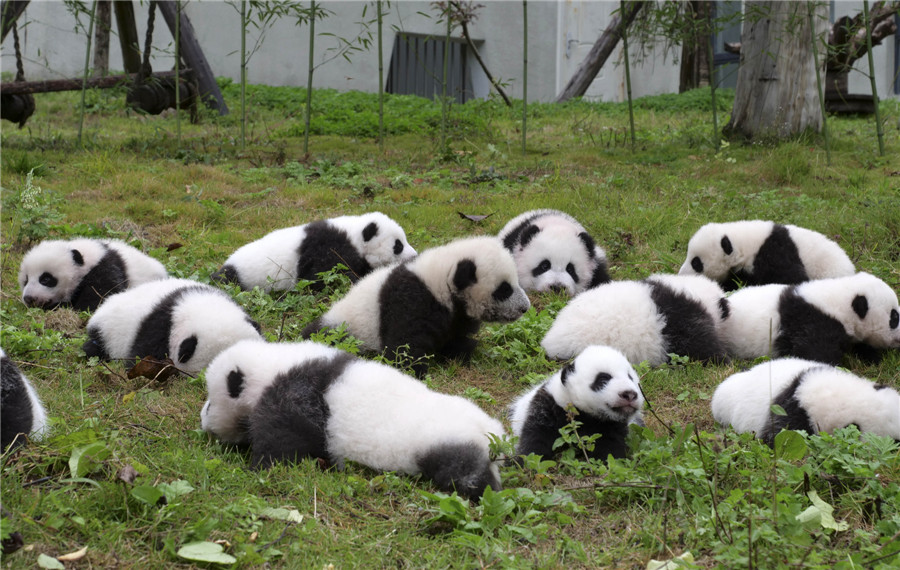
(695,51)
(776,94)
(101,38)
(600,52)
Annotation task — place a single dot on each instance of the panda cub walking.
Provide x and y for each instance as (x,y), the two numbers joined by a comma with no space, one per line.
(602,386)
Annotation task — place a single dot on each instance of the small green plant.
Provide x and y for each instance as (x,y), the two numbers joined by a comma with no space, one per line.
(34,211)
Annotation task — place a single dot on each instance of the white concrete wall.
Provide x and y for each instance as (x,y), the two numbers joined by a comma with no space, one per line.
(560,35)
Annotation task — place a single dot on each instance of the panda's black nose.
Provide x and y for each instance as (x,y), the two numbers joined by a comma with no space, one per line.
(557,288)
(28,300)
(628,395)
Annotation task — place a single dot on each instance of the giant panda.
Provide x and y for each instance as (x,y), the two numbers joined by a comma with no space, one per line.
(21,412)
(432,304)
(237,378)
(326,403)
(646,320)
(82,272)
(279,259)
(602,386)
(553,252)
(758,252)
(817,320)
(187,321)
(815,398)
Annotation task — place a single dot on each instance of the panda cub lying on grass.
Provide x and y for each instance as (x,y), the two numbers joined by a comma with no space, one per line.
(292,401)
(21,412)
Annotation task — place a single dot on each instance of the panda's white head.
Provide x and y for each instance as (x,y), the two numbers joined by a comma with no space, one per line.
(715,249)
(477,273)
(206,321)
(601,383)
(378,238)
(863,303)
(554,253)
(53,269)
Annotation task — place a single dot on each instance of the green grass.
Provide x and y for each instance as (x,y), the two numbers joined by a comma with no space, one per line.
(688,486)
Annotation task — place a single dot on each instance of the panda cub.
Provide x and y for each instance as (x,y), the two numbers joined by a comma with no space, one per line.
(187,321)
(279,259)
(21,411)
(603,388)
(816,398)
(432,304)
(817,320)
(646,320)
(82,272)
(237,378)
(553,252)
(326,403)
(757,252)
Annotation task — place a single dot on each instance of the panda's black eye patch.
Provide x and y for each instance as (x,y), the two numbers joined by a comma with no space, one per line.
(235,383)
(570,269)
(542,267)
(503,292)
(47,280)
(895,319)
(697,265)
(398,247)
(600,381)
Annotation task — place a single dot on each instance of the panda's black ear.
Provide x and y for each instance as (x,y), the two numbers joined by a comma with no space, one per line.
(187,348)
(567,369)
(589,244)
(235,382)
(527,234)
(860,306)
(726,245)
(77,257)
(465,274)
(370,231)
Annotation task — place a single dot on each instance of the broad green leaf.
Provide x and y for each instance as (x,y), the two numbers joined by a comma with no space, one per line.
(45,561)
(777,410)
(175,488)
(288,515)
(147,494)
(821,513)
(206,552)
(87,459)
(790,445)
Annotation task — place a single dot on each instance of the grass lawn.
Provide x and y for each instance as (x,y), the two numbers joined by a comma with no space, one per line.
(190,198)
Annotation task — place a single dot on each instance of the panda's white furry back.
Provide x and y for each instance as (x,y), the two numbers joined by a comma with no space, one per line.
(316,401)
(82,272)
(815,397)
(279,259)
(21,412)
(432,304)
(181,319)
(554,252)
(757,252)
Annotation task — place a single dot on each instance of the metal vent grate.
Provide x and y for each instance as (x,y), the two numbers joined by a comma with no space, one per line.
(417,68)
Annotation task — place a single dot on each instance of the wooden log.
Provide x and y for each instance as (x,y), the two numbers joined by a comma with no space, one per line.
(128,35)
(53,85)
(193,56)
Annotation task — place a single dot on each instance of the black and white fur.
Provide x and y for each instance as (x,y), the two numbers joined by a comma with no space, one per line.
(238,376)
(758,252)
(326,403)
(816,398)
(434,303)
(82,272)
(279,259)
(602,386)
(187,321)
(817,320)
(646,320)
(554,252)
(21,412)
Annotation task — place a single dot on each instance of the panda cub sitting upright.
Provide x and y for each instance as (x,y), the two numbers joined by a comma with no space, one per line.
(432,304)
(187,321)
(553,252)
(82,272)
(279,259)
(646,320)
(817,320)
(320,402)
(815,397)
(602,386)
(21,412)
(757,252)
